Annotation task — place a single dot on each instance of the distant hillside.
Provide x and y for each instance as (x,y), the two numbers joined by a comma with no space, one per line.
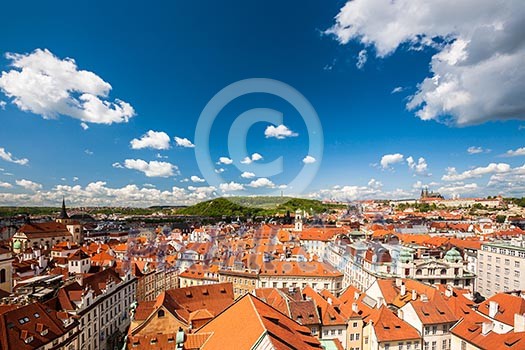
(255,206)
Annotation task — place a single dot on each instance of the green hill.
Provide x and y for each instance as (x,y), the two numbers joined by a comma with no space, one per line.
(256,206)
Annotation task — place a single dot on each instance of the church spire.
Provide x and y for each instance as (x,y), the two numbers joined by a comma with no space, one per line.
(63,212)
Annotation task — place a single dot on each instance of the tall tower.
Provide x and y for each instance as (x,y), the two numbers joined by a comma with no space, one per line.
(298,220)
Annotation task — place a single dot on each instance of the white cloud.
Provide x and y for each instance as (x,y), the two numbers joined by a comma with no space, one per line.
(515,153)
(511,183)
(88,152)
(361,59)
(153,168)
(397,89)
(2,105)
(5,185)
(195,178)
(220,170)
(29,185)
(99,194)
(232,186)
(456,189)
(84,126)
(247,175)
(117,165)
(75,178)
(7,156)
(262,182)
(225,160)
(152,139)
(492,168)
(183,142)
(279,132)
(388,159)
(476,73)
(44,84)
(420,168)
(309,160)
(475,150)
(254,157)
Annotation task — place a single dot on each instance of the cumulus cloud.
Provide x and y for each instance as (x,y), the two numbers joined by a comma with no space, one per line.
(195,178)
(7,156)
(2,105)
(388,159)
(225,160)
(247,175)
(373,189)
(262,182)
(230,187)
(492,168)
(309,160)
(280,132)
(476,74)
(29,185)
(254,157)
(88,152)
(220,170)
(153,168)
(42,83)
(456,189)
(511,183)
(515,153)
(419,168)
(152,139)
(5,185)
(362,57)
(84,126)
(183,142)
(100,194)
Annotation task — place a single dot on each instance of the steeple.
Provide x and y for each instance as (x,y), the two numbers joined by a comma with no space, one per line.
(63,212)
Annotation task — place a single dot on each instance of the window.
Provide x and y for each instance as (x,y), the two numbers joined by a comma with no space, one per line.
(463,345)
(3,276)
(160,313)
(516,264)
(340,331)
(434,329)
(400,345)
(434,345)
(425,347)
(354,324)
(444,346)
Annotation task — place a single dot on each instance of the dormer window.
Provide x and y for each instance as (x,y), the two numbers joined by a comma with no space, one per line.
(160,313)
(44,332)
(28,340)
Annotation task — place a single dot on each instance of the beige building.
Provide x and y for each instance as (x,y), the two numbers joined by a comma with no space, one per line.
(284,274)
(244,281)
(501,267)
(6,270)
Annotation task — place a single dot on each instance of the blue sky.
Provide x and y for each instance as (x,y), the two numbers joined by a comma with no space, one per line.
(166,60)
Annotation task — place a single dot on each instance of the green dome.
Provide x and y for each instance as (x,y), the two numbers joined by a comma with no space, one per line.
(406,255)
(453,255)
(17,245)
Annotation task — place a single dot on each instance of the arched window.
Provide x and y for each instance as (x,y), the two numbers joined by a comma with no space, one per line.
(419,272)
(2,276)
(443,271)
(160,313)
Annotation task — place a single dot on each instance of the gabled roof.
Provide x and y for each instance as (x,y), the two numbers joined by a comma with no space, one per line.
(19,323)
(256,319)
(388,327)
(508,305)
(471,332)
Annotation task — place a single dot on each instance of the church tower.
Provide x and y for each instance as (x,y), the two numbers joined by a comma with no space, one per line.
(298,220)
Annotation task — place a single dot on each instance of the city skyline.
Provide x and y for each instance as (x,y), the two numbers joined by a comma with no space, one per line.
(102,109)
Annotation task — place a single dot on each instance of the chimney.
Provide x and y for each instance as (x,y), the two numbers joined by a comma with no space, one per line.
(414,294)
(356,295)
(448,291)
(403,290)
(399,282)
(329,300)
(380,301)
(400,313)
(424,298)
(493,308)
(355,308)
(486,327)
(519,323)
